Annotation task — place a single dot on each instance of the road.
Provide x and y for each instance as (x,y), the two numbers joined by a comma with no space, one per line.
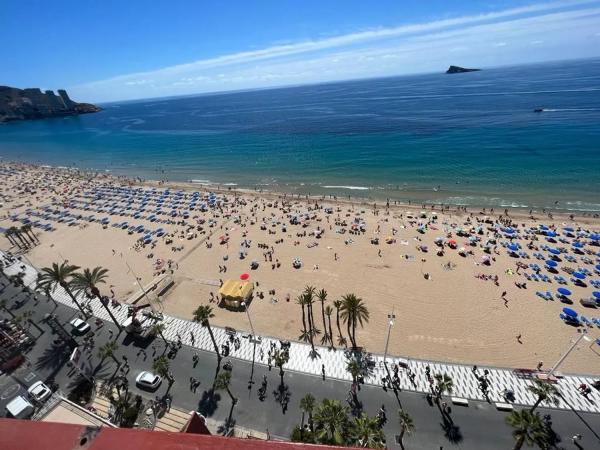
(478,426)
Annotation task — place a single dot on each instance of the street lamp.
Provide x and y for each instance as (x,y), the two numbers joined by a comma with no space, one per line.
(391,318)
(249,319)
(582,335)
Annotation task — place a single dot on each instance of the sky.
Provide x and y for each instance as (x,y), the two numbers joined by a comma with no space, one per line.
(109,50)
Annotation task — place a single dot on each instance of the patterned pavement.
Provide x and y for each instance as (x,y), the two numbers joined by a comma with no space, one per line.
(466,385)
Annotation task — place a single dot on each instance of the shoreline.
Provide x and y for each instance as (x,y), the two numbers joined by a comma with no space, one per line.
(521,212)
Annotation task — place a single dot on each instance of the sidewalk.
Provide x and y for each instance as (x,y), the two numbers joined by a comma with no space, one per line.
(465,382)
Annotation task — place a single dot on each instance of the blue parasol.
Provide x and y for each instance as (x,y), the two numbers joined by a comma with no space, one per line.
(550,263)
(513,247)
(554,251)
(596,294)
(579,275)
(577,244)
(551,234)
(568,229)
(563,291)
(509,230)
(570,312)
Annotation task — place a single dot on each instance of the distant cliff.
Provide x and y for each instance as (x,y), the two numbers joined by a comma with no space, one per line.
(23,104)
(456,69)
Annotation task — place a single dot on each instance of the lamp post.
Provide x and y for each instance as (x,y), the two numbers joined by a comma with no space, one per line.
(582,335)
(249,319)
(391,318)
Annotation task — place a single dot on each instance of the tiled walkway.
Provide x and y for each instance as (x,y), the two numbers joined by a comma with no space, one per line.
(465,382)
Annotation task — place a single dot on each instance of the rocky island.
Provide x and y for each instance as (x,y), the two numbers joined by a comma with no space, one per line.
(457,69)
(24,104)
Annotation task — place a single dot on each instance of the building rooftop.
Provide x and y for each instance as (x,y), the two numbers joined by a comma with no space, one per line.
(31,435)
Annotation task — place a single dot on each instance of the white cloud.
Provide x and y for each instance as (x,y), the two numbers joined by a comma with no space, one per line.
(558,29)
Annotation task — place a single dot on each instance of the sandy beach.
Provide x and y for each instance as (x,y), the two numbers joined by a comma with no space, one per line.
(469,307)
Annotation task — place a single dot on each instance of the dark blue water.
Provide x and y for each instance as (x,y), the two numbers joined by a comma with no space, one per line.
(474,135)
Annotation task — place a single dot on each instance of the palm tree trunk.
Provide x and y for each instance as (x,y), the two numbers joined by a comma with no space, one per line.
(68,291)
(22,240)
(214,342)
(109,313)
(536,404)
(330,330)
(337,321)
(519,443)
(400,439)
(303,319)
(323,317)
(354,332)
(348,325)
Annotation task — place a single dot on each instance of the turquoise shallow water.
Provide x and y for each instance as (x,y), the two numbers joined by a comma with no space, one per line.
(468,138)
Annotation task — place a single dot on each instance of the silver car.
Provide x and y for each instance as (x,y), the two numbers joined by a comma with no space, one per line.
(39,392)
(148,380)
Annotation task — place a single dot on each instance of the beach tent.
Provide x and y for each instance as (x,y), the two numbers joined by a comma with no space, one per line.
(234,292)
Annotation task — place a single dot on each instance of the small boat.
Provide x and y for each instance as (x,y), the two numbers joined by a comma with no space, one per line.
(538,110)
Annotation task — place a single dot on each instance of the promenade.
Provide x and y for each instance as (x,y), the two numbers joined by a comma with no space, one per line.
(466,384)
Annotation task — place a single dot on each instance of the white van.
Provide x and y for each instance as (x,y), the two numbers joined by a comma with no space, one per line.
(19,408)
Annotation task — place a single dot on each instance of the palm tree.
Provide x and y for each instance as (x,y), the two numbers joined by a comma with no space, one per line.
(528,427)
(309,293)
(331,422)
(60,275)
(157,330)
(444,383)
(406,425)
(10,236)
(307,405)
(87,282)
(203,314)
(366,432)
(223,382)
(108,351)
(328,313)
(26,230)
(545,392)
(353,312)
(17,233)
(353,368)
(300,301)
(162,367)
(280,357)
(341,339)
(322,296)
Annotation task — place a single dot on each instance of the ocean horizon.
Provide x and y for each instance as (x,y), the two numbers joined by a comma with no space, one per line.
(469,139)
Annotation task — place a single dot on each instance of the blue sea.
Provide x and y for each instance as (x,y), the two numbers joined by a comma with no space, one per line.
(469,139)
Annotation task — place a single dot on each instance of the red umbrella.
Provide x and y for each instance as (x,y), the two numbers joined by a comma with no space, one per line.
(244,276)
(452,243)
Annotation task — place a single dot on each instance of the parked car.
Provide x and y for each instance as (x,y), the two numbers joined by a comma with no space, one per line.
(148,380)
(39,391)
(19,408)
(80,326)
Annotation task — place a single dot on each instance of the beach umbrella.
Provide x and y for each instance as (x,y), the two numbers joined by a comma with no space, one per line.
(550,263)
(509,230)
(598,267)
(244,276)
(563,291)
(596,294)
(578,275)
(595,236)
(577,244)
(452,242)
(551,234)
(568,229)
(554,251)
(513,247)
(570,312)
(542,227)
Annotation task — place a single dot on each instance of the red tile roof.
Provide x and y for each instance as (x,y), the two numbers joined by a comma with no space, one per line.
(27,435)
